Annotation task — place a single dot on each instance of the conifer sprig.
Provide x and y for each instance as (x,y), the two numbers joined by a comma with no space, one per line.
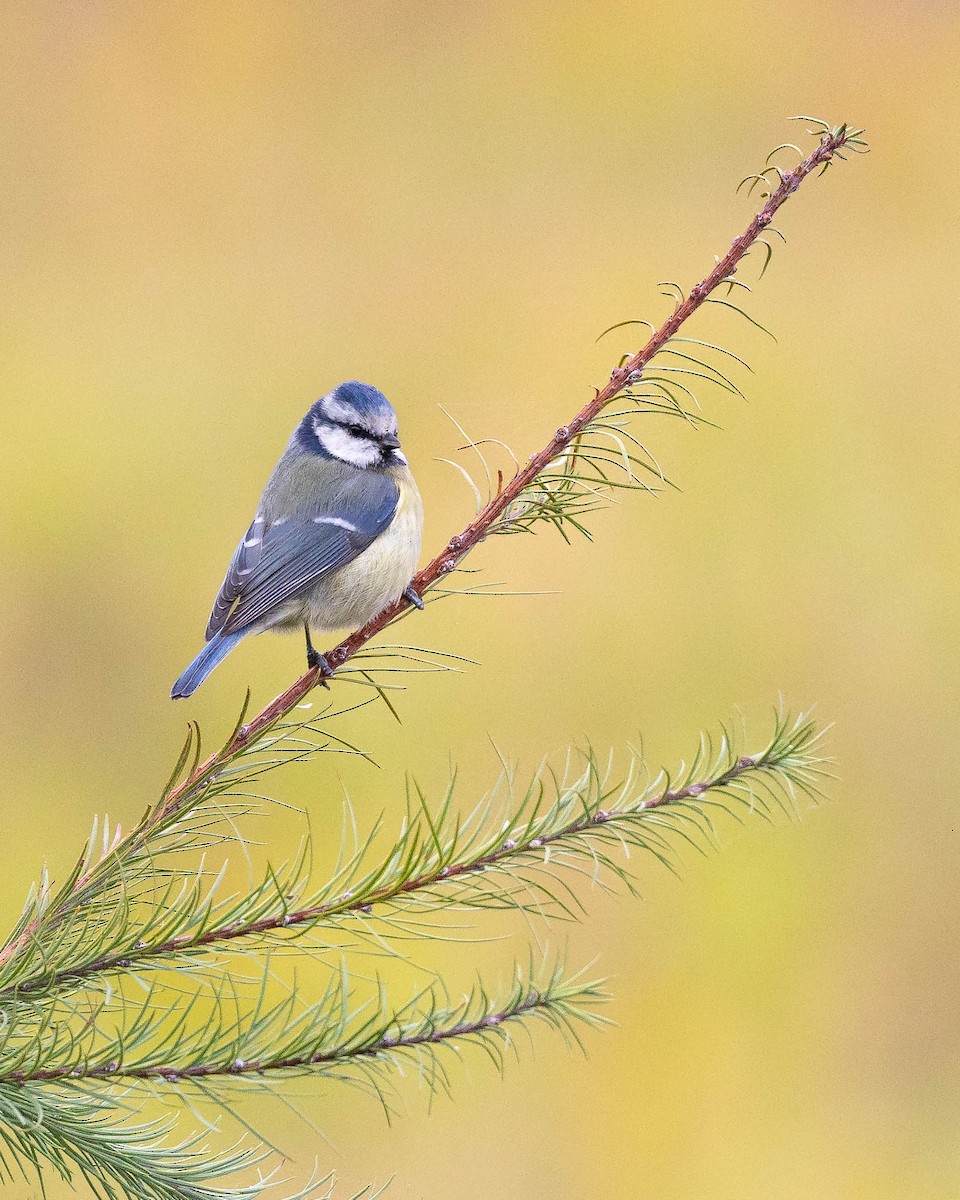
(501,854)
(327,1037)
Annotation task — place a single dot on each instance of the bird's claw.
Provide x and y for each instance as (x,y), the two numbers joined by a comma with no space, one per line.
(318,661)
(410,593)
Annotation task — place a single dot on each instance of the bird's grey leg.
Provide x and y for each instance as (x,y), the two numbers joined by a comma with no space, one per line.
(315,658)
(410,593)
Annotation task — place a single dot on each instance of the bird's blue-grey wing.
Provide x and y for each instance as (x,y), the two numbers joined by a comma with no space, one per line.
(283,561)
(245,558)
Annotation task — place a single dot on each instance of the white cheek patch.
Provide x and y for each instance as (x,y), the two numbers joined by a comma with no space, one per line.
(358,452)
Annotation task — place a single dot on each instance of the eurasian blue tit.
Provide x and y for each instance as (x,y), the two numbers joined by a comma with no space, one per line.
(336,536)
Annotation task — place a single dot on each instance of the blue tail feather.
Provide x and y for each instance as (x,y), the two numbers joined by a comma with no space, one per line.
(213,653)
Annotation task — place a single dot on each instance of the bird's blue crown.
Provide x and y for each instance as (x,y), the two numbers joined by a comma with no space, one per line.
(349,403)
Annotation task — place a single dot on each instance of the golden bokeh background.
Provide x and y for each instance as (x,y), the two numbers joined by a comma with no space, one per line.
(212,213)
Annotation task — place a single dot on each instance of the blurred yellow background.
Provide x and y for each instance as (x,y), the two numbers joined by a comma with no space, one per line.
(213,213)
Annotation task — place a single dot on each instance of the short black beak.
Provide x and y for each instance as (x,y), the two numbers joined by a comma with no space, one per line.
(390,441)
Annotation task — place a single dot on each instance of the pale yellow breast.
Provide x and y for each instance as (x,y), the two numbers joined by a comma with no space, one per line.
(350,596)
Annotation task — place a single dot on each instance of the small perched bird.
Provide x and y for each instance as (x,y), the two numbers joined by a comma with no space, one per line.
(336,536)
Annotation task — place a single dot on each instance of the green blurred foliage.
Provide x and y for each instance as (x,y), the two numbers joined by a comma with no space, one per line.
(213,213)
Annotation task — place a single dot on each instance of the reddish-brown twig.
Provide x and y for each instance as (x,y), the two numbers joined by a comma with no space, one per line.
(460,545)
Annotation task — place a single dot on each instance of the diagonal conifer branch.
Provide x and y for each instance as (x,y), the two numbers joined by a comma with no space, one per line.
(190,790)
(456,549)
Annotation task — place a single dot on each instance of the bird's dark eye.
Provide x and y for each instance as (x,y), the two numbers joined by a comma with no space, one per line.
(357,430)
